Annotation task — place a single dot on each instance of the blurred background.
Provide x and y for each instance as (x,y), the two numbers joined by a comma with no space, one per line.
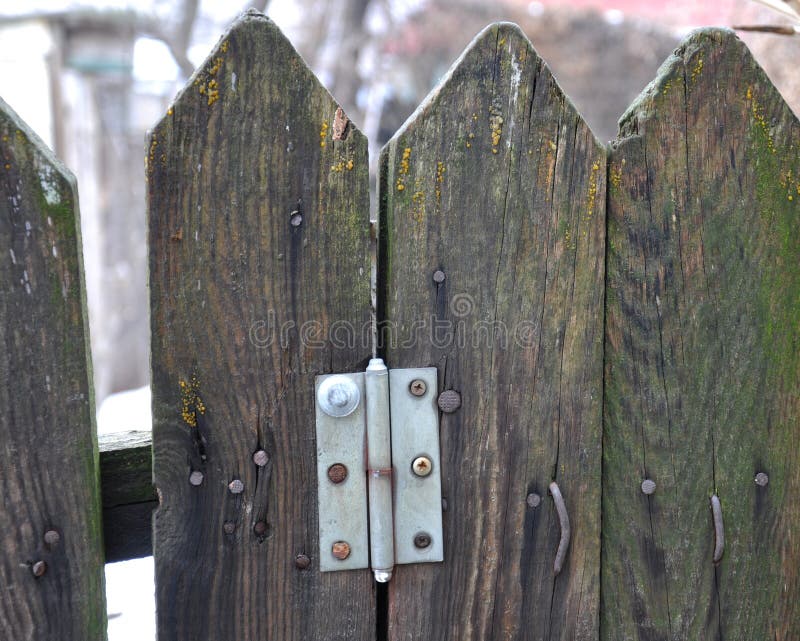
(91,76)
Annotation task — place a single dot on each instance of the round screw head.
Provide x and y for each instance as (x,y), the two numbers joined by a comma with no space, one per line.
(229,527)
(648,486)
(196,478)
(422,466)
(418,387)
(260,528)
(337,473)
(39,568)
(236,486)
(438,276)
(762,479)
(295,219)
(302,562)
(260,458)
(422,540)
(338,396)
(449,401)
(340,550)
(533,500)
(52,538)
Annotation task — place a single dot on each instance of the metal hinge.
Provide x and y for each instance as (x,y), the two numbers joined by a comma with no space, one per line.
(380,492)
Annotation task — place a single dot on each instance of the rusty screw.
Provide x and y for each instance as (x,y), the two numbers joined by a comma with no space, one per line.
(229,527)
(422,540)
(533,500)
(196,478)
(449,401)
(418,387)
(648,486)
(236,486)
(302,562)
(438,276)
(337,473)
(52,538)
(422,466)
(39,568)
(260,458)
(260,528)
(340,550)
(296,218)
(762,479)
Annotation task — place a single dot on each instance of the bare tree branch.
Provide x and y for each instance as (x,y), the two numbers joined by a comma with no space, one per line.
(783,30)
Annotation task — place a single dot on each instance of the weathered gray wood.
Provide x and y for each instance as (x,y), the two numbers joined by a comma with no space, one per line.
(702,354)
(126,479)
(49,478)
(498,183)
(259,280)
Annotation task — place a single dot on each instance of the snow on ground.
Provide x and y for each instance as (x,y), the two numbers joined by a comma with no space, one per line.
(129,584)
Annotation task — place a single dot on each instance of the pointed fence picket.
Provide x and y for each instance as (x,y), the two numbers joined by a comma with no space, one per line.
(622,321)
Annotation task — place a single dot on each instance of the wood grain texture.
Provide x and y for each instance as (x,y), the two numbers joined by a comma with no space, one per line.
(126,480)
(247,308)
(48,458)
(702,359)
(497,182)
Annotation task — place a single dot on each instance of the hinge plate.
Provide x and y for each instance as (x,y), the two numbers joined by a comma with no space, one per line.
(342,440)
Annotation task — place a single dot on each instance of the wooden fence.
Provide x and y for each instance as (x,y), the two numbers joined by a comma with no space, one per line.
(624,320)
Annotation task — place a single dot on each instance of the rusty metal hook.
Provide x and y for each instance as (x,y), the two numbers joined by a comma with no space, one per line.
(563,520)
(719,529)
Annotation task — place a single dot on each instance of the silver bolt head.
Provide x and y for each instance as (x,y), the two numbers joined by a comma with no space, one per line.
(422,466)
(648,486)
(338,396)
(762,479)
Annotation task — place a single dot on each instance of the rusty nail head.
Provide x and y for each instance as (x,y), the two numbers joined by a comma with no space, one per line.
(449,401)
(196,477)
(236,486)
(229,527)
(302,562)
(296,218)
(648,486)
(260,528)
(533,500)
(422,466)
(337,473)
(418,387)
(762,479)
(260,458)
(438,276)
(422,540)
(39,568)
(341,550)
(52,537)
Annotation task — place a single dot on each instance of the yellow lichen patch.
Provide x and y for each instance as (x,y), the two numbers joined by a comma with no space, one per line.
(615,174)
(418,203)
(667,87)
(402,172)
(213,92)
(758,115)
(207,84)
(591,196)
(440,169)
(224,46)
(169,111)
(151,155)
(501,42)
(342,164)
(191,403)
(552,145)
(495,128)
(323,133)
(698,69)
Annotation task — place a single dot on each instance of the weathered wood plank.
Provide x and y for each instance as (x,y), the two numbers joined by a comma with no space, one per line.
(259,279)
(702,358)
(126,481)
(51,589)
(497,183)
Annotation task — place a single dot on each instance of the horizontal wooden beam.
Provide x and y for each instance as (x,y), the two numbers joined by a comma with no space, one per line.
(126,477)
